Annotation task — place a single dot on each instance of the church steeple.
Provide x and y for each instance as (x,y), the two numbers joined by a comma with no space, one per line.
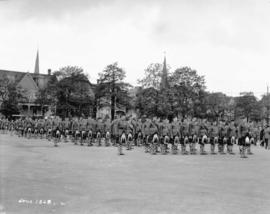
(164,77)
(37,64)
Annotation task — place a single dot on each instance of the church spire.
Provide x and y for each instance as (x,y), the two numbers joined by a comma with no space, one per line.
(37,64)
(164,78)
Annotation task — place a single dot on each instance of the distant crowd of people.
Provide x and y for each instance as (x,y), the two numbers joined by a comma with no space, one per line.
(155,135)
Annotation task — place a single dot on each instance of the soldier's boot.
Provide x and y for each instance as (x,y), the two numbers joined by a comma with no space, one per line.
(174,149)
(249,150)
(190,149)
(182,149)
(55,142)
(106,142)
(243,153)
(120,150)
(163,150)
(193,149)
(154,149)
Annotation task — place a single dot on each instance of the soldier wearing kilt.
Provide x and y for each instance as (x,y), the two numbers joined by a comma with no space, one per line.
(138,133)
(11,127)
(114,132)
(211,138)
(175,135)
(20,128)
(66,129)
(251,133)
(248,142)
(90,134)
(231,138)
(56,132)
(30,128)
(165,133)
(153,138)
(221,138)
(135,125)
(41,128)
(242,140)
(107,130)
(76,131)
(266,137)
(130,133)
(48,126)
(192,138)
(184,137)
(202,138)
(36,128)
(99,131)
(146,133)
(121,129)
(83,133)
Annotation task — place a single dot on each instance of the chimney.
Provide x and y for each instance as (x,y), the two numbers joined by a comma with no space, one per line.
(49,71)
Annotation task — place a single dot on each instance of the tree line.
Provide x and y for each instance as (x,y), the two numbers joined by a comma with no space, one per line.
(70,93)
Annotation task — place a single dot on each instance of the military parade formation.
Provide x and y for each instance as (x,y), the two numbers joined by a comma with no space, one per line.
(155,135)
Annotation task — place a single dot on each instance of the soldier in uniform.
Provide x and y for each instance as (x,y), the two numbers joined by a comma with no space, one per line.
(251,139)
(48,126)
(20,127)
(266,137)
(146,134)
(184,137)
(41,128)
(121,129)
(114,132)
(242,140)
(175,135)
(107,130)
(130,133)
(82,129)
(66,129)
(221,139)
(153,137)
(231,138)
(192,138)
(56,132)
(76,131)
(99,131)
(165,136)
(202,138)
(91,128)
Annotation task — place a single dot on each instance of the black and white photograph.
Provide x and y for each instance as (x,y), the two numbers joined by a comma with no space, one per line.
(134,106)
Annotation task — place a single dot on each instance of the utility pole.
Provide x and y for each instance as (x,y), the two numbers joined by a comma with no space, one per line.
(113,101)
(267,105)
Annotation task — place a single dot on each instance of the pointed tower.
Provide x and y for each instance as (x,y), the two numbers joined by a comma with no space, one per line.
(164,78)
(37,64)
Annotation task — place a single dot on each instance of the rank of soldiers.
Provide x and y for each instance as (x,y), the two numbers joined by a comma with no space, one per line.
(156,136)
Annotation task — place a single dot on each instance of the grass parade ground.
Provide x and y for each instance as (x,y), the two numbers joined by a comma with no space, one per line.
(37,177)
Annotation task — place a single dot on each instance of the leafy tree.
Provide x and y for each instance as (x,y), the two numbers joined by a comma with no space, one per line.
(147,101)
(217,105)
(265,104)
(247,106)
(188,88)
(4,83)
(185,95)
(11,99)
(47,96)
(152,76)
(68,71)
(73,92)
(111,88)
(199,105)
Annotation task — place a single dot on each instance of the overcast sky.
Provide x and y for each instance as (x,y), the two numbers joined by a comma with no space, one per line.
(227,41)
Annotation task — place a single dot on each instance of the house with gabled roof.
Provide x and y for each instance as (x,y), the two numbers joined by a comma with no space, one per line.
(30,83)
